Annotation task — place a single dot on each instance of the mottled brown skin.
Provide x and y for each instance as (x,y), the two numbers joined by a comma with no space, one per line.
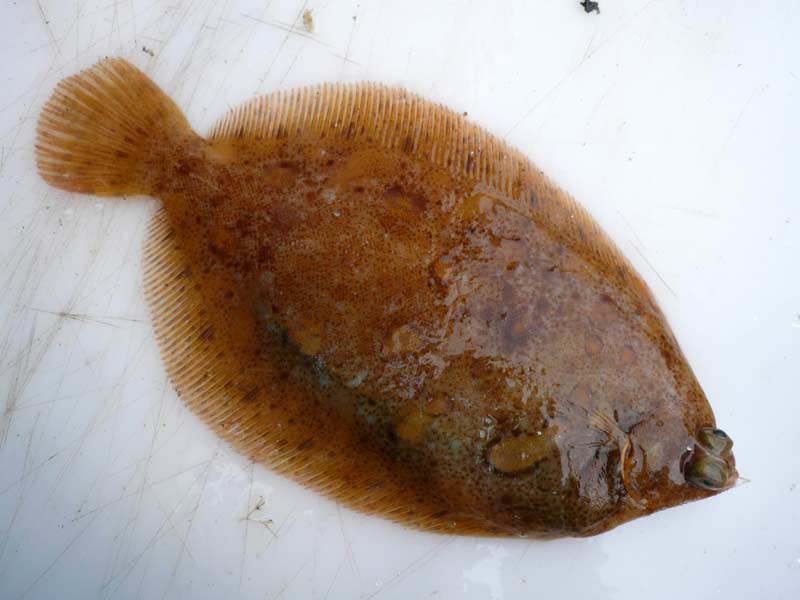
(481,354)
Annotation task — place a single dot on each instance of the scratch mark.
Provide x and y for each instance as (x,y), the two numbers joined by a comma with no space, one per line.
(649,264)
(586,57)
(349,42)
(281,46)
(85,318)
(694,212)
(182,537)
(189,529)
(587,52)
(132,21)
(102,507)
(597,104)
(19,381)
(95,421)
(349,552)
(30,108)
(30,472)
(56,559)
(156,537)
(47,26)
(291,66)
(738,118)
(528,546)
(77,29)
(134,521)
(22,493)
(247,524)
(412,567)
(287,27)
(289,582)
(632,230)
(335,576)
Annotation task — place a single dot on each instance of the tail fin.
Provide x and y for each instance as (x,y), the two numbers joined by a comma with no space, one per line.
(101,128)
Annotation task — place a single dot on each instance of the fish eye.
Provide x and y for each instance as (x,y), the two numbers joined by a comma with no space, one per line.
(708,473)
(715,441)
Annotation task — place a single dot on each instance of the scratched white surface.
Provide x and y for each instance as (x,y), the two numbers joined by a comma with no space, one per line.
(675,123)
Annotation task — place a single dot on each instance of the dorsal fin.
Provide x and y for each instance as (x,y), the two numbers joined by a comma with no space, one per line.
(395,118)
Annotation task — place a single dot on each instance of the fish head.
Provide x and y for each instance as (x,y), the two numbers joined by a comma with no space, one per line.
(666,463)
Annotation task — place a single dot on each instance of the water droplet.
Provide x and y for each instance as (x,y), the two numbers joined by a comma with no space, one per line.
(515,454)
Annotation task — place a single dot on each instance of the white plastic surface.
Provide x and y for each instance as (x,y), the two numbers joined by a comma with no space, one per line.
(675,123)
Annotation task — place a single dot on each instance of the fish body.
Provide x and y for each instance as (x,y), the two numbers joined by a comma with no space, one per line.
(362,290)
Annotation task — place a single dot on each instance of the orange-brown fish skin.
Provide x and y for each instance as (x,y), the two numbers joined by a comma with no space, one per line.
(389,326)
(459,323)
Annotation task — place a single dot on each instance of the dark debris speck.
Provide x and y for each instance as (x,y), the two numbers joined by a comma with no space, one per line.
(589,6)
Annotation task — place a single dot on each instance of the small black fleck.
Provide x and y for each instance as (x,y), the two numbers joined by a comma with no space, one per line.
(589,6)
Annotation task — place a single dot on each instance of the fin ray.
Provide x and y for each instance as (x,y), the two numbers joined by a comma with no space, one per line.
(99,128)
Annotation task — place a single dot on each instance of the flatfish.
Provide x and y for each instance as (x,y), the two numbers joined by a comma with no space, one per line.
(368,293)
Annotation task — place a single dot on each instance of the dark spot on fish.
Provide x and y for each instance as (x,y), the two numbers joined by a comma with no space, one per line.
(416,200)
(305,445)
(251,395)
